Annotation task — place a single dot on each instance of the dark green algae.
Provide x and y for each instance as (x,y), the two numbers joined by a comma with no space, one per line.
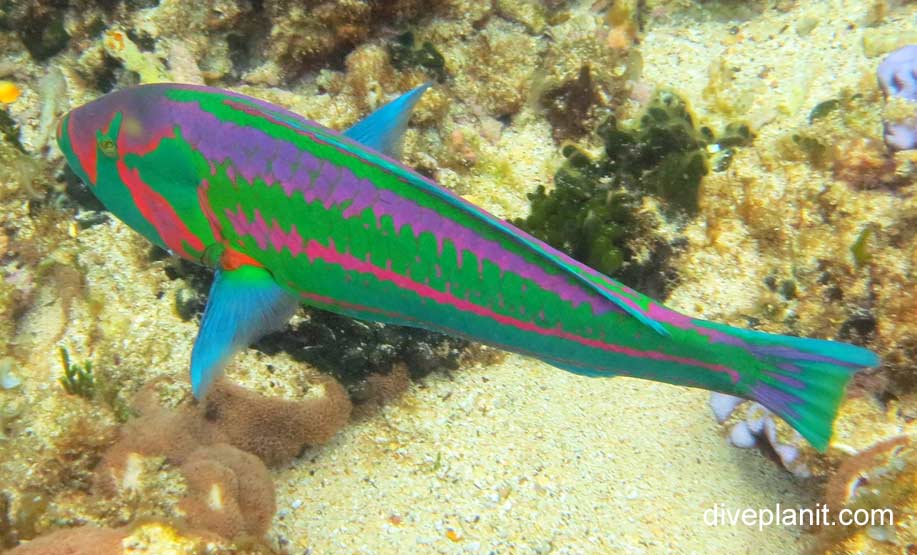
(593,212)
(405,54)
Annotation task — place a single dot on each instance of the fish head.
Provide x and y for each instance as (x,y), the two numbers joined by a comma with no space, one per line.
(128,148)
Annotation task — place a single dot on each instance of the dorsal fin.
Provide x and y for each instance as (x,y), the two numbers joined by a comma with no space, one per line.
(383,129)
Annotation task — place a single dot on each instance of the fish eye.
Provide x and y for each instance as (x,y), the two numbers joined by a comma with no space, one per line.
(108,147)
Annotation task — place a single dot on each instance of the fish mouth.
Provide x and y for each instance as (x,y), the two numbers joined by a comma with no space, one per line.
(59,125)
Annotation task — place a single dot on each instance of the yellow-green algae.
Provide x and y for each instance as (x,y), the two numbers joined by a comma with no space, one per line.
(779,211)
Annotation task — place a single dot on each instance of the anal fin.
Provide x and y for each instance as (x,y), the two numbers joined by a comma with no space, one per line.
(244,304)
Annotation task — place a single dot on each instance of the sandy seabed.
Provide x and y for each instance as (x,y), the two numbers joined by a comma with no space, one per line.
(520,457)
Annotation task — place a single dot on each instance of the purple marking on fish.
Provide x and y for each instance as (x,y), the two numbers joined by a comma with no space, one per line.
(788,380)
(285,164)
(789,367)
(663,314)
(774,399)
(306,171)
(339,184)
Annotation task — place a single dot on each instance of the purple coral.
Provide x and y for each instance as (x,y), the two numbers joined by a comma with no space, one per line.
(898,73)
(898,77)
(758,426)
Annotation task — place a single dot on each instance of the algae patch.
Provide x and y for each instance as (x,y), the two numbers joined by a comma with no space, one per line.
(77,379)
(405,54)
(594,214)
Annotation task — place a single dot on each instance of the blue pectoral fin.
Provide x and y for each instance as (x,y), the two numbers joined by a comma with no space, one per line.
(244,304)
(383,129)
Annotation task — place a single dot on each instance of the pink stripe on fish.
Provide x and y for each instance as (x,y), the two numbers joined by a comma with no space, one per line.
(315,250)
(281,239)
(256,228)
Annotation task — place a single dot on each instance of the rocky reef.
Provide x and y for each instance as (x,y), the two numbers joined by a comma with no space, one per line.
(751,190)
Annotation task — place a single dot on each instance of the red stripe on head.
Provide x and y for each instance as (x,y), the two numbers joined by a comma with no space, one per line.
(157,210)
(85,149)
(204,203)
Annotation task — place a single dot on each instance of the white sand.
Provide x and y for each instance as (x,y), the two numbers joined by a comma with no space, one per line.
(532,459)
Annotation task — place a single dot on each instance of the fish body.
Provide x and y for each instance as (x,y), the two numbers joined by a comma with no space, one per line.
(290,212)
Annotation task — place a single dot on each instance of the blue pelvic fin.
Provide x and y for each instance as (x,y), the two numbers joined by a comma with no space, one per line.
(244,304)
(383,129)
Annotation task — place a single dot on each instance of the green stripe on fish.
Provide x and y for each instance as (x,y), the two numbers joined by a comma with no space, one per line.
(291,212)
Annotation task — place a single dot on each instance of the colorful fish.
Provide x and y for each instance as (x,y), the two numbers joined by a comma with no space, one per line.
(290,212)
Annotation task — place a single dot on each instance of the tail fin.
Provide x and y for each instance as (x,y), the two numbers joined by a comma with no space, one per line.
(801,380)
